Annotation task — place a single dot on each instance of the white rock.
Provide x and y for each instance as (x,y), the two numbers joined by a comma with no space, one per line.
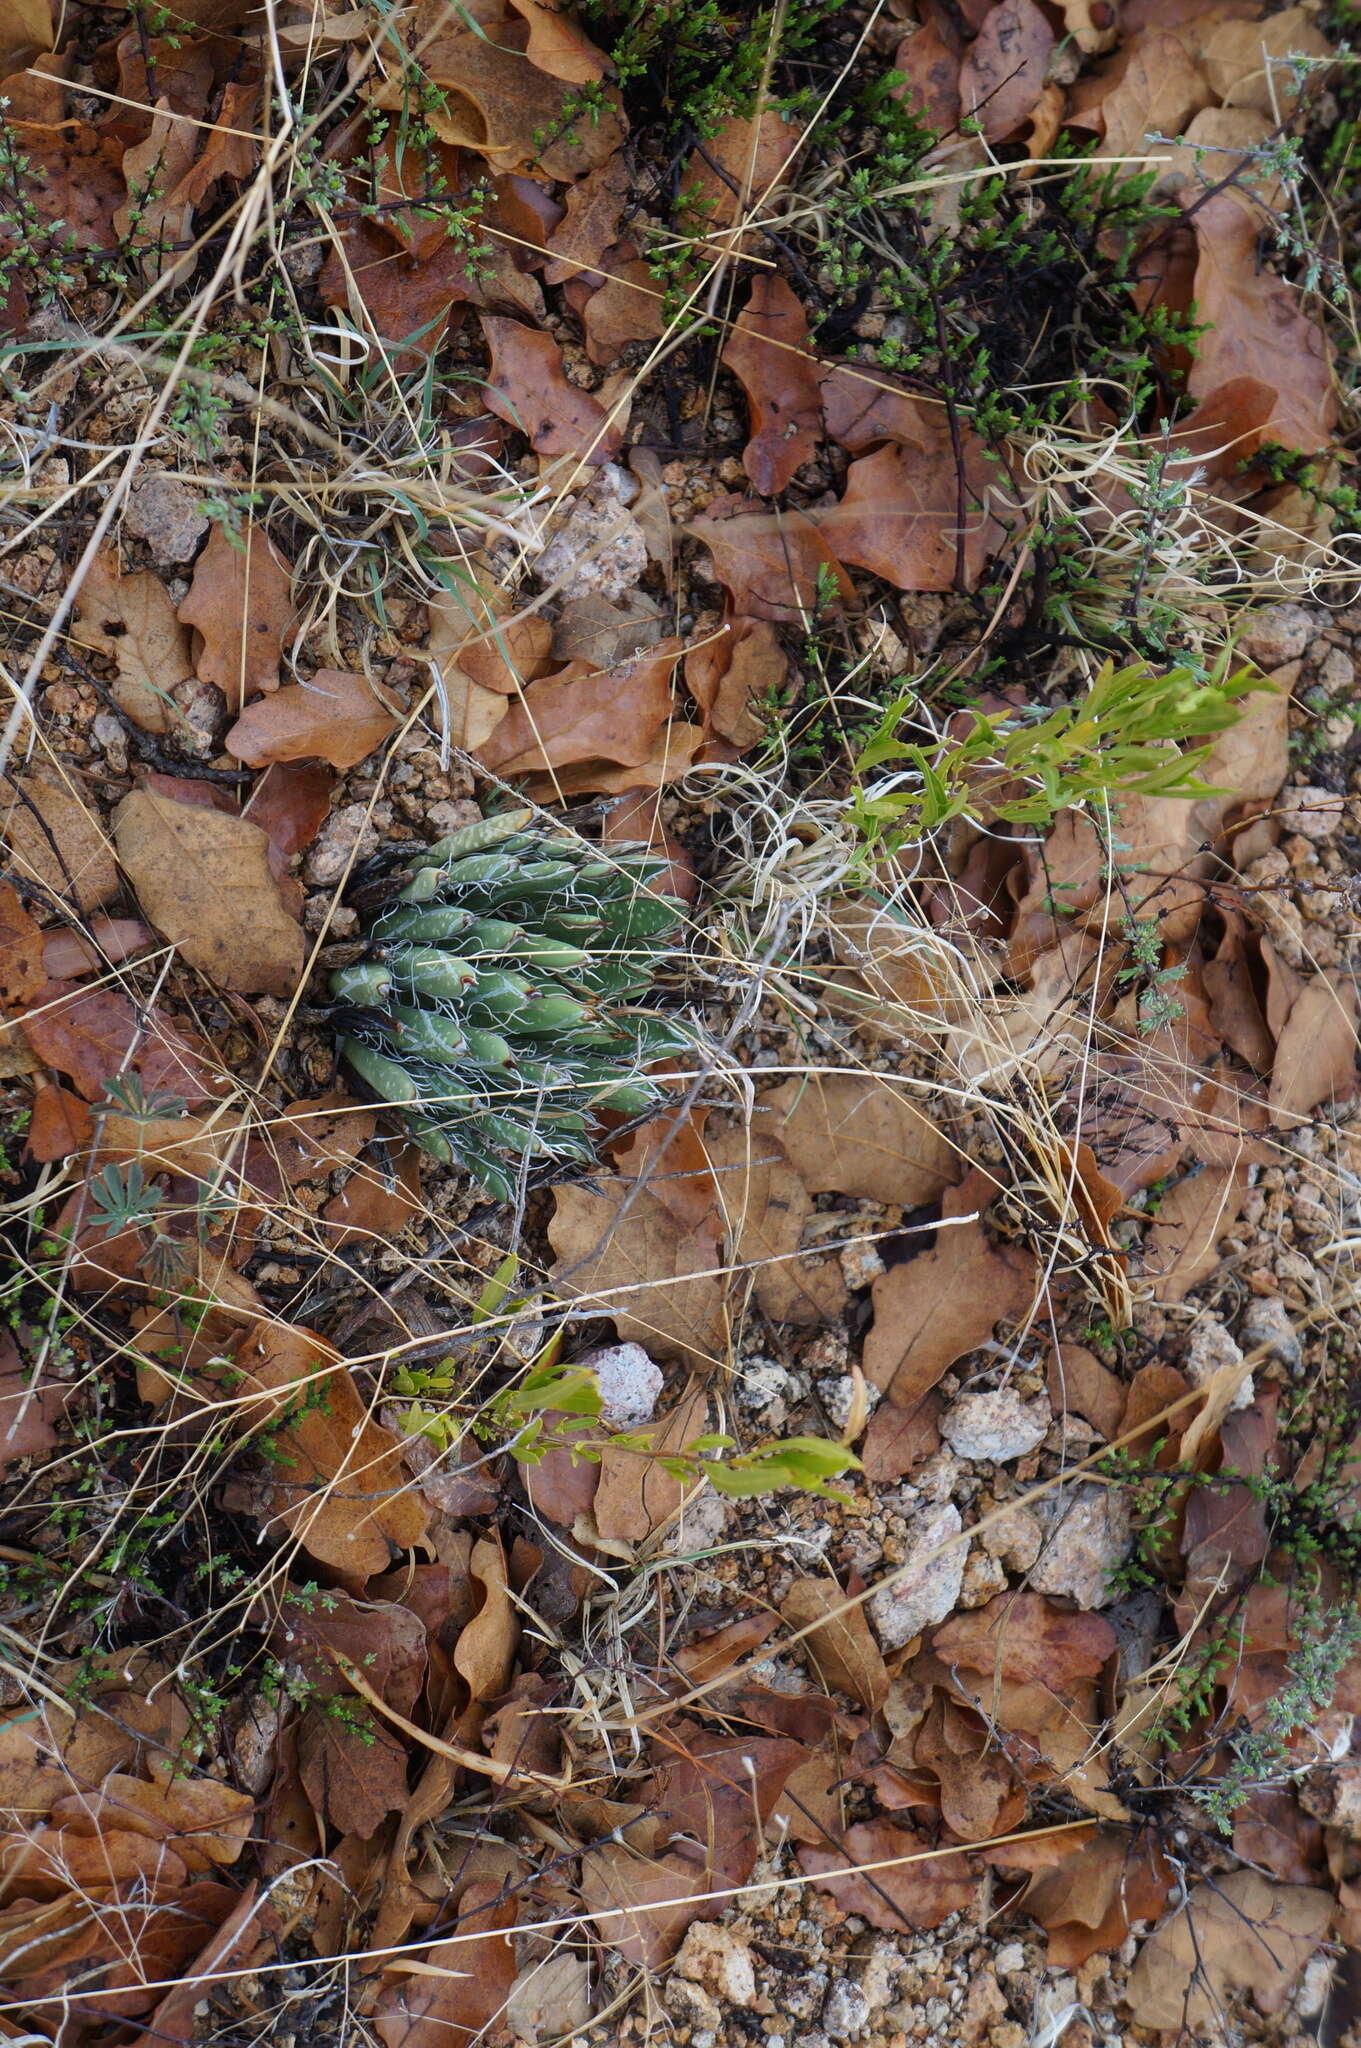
(1279,634)
(765,1388)
(1091,1538)
(846,2013)
(1265,1321)
(169,518)
(996,1426)
(549,1999)
(599,550)
(1212,1350)
(838,1397)
(629,1383)
(1014,1539)
(345,829)
(1312,812)
(924,1588)
(715,1959)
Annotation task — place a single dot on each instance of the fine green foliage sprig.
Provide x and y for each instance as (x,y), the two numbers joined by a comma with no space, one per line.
(502,1007)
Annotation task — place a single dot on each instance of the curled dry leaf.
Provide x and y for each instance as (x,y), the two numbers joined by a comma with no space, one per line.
(933,1308)
(892,1877)
(744,165)
(765,1206)
(1315,1059)
(614,715)
(336,717)
(55,840)
(60,1125)
(772,562)
(634,1495)
(1004,70)
(660,1281)
(1233,1934)
(475,627)
(1087,1902)
(727,673)
(768,353)
(204,879)
(240,603)
(495,101)
(859,1134)
(1202,1207)
(529,389)
(843,1651)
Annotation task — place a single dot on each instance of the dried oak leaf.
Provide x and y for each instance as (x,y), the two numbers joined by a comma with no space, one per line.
(93,1034)
(28,1407)
(484,1655)
(529,389)
(336,717)
(773,563)
(377,1201)
(1233,1934)
(240,603)
(634,1495)
(765,1207)
(1257,327)
(132,620)
(1024,1639)
(745,163)
(859,1134)
(495,101)
(203,1820)
(459,1995)
(660,1280)
(933,1308)
(1247,62)
(475,627)
(1004,69)
(1180,1244)
(727,673)
(339,1486)
(55,840)
(626,307)
(559,45)
(892,1877)
(1315,1058)
(900,1439)
(23,968)
(768,354)
(1087,1902)
(204,880)
(838,1640)
(929,59)
(614,715)
(61,1124)
(905,516)
(1158,92)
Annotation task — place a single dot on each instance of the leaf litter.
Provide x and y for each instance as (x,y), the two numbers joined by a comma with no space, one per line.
(408,1658)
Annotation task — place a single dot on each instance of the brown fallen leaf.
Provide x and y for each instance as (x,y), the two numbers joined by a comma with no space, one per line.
(1180,1243)
(458,1992)
(1079,1384)
(23,968)
(907,517)
(1004,69)
(61,1124)
(528,387)
(131,619)
(1027,1640)
(55,840)
(839,1642)
(768,354)
(316,1134)
(477,628)
(581,715)
(67,955)
(773,563)
(377,1201)
(204,880)
(900,1439)
(1087,1902)
(1158,92)
(634,1495)
(765,1207)
(336,717)
(28,1406)
(642,1905)
(859,1134)
(1315,1060)
(626,307)
(289,803)
(659,1281)
(1234,1934)
(593,207)
(728,673)
(339,1485)
(241,605)
(484,1655)
(745,163)
(892,1877)
(933,1308)
(929,58)
(1257,326)
(93,1034)
(1247,62)
(559,45)
(204,1821)
(494,100)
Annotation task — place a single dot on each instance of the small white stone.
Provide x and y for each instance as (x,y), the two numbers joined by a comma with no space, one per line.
(719,1963)
(599,550)
(924,1588)
(1091,1538)
(1212,1350)
(1279,634)
(349,827)
(1009,1961)
(1312,812)
(1266,1321)
(997,1426)
(838,1398)
(629,1383)
(846,2013)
